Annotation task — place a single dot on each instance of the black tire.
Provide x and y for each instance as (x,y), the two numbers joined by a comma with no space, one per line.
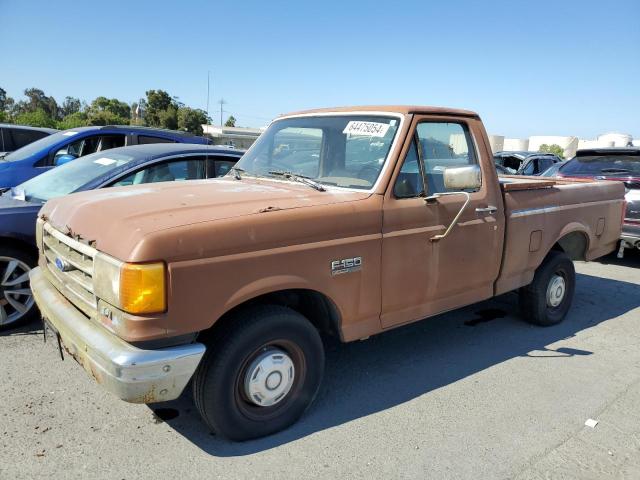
(219,383)
(534,302)
(10,316)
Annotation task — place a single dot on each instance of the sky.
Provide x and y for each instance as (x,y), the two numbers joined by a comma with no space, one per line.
(542,67)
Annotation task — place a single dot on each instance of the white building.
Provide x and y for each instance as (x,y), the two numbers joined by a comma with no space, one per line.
(238,137)
(569,144)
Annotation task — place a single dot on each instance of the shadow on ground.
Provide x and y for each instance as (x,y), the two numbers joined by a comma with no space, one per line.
(363,378)
(631,259)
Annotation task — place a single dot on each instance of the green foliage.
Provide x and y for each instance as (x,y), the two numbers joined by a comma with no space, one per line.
(37,100)
(231,122)
(106,117)
(37,118)
(192,119)
(73,120)
(70,106)
(103,106)
(167,118)
(3,117)
(553,148)
(161,109)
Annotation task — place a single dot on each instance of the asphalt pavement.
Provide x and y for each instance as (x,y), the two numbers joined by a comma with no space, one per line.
(476,393)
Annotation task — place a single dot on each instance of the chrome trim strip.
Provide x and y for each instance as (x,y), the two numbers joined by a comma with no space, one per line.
(76,245)
(557,208)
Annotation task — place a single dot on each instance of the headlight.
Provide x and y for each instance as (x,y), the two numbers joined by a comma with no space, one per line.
(136,288)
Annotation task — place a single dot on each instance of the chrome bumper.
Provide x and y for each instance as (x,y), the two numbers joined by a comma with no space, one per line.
(132,374)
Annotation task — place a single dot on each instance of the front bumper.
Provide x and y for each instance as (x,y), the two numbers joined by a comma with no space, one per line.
(132,374)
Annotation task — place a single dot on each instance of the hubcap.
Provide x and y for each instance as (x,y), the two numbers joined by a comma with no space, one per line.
(556,291)
(15,295)
(269,377)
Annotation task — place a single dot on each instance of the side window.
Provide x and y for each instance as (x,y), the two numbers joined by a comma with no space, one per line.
(144,139)
(409,181)
(178,170)
(444,145)
(110,141)
(222,167)
(530,168)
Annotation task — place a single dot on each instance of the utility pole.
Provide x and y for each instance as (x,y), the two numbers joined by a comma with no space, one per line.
(221,102)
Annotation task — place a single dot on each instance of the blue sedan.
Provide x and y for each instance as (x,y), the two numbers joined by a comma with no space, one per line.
(134,165)
(62,147)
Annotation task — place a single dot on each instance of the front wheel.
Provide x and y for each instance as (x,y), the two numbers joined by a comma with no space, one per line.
(16,301)
(547,299)
(260,374)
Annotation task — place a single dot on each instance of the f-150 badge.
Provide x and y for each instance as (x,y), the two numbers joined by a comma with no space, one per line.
(346,265)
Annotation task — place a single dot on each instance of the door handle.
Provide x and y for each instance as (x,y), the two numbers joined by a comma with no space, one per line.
(488,209)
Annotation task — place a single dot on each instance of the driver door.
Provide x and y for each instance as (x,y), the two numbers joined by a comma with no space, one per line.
(422,277)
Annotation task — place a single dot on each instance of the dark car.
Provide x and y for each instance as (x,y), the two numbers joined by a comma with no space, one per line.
(117,167)
(13,137)
(524,163)
(62,147)
(620,164)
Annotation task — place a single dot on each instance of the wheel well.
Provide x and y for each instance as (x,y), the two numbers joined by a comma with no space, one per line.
(313,305)
(20,245)
(573,244)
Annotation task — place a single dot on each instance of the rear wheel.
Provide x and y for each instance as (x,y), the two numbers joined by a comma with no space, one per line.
(16,301)
(260,374)
(547,299)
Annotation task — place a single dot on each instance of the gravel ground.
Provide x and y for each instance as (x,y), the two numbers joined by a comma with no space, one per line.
(476,393)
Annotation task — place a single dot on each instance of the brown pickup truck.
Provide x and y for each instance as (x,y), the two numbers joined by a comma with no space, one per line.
(344,222)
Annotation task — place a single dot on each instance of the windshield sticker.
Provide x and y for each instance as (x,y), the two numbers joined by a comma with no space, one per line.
(104,161)
(68,134)
(369,129)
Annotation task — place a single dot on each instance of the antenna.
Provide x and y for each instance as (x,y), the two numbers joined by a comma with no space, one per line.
(208,75)
(222,102)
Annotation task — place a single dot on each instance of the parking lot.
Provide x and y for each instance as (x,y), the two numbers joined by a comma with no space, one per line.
(476,393)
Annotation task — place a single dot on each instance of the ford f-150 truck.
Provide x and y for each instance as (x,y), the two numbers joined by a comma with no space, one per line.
(344,222)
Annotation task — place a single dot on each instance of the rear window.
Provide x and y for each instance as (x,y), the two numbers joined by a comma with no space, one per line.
(606,165)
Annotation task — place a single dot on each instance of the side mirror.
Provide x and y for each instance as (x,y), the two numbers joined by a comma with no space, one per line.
(62,159)
(462,178)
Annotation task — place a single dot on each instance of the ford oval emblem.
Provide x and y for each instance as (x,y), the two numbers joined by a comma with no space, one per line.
(63,265)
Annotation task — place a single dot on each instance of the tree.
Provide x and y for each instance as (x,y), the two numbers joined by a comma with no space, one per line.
(73,120)
(5,102)
(37,118)
(553,148)
(106,117)
(231,122)
(111,105)
(192,119)
(37,100)
(161,109)
(70,106)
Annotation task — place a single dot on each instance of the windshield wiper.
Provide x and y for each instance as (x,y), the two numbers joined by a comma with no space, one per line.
(296,177)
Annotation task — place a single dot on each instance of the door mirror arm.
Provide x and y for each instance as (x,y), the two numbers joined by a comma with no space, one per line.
(433,198)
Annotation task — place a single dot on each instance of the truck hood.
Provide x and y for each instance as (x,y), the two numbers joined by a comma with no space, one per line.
(124,215)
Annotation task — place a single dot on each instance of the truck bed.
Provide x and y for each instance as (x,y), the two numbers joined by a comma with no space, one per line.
(583,214)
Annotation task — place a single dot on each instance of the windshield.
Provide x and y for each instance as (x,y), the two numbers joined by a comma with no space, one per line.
(39,145)
(605,165)
(341,150)
(69,177)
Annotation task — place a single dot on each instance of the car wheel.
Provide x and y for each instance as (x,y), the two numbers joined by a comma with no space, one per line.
(260,374)
(16,301)
(547,299)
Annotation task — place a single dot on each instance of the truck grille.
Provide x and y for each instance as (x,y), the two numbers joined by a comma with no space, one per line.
(70,262)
